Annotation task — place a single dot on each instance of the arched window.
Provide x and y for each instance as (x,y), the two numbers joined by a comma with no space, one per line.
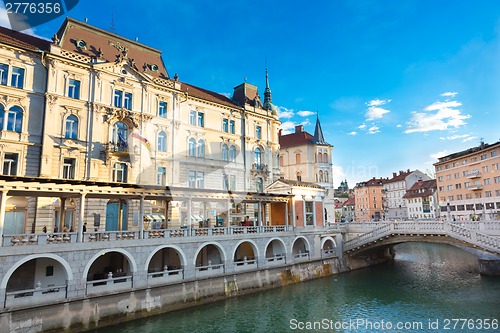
(225,152)
(162,141)
(325,176)
(120,172)
(325,157)
(71,131)
(257,156)
(260,184)
(14,119)
(191,147)
(232,153)
(120,133)
(320,175)
(201,148)
(2,111)
(299,176)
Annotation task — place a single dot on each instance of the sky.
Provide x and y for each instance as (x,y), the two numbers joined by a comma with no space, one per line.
(396,84)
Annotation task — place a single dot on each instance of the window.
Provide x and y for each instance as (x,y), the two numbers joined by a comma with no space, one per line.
(162,109)
(257,156)
(496,179)
(258,132)
(229,182)
(487,194)
(458,186)
(161,176)
(14,119)
(225,125)
(320,175)
(74,89)
(69,168)
(162,141)
(259,184)
(282,162)
(486,168)
(201,148)
(127,101)
(493,154)
(467,184)
(487,181)
(459,197)
(71,131)
(450,187)
(325,177)
(200,179)
(440,178)
(232,153)
(297,158)
(455,164)
(192,118)
(484,156)
(120,133)
(299,176)
(201,119)
(4,72)
(309,213)
(120,172)
(225,152)
(232,126)
(17,77)
(457,175)
(10,164)
(192,179)
(117,99)
(464,162)
(191,147)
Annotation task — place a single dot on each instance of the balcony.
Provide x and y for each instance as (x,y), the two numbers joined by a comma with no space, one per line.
(474,175)
(475,187)
(260,170)
(115,148)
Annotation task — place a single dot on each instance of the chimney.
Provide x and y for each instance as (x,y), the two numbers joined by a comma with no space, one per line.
(394,174)
(279,132)
(299,128)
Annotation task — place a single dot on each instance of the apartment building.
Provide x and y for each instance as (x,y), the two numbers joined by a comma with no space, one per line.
(468,183)
(368,197)
(421,200)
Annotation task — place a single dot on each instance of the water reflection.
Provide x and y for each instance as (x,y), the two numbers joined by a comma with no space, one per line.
(425,282)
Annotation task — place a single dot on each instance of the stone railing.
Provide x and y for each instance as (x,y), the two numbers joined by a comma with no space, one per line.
(485,241)
(35,295)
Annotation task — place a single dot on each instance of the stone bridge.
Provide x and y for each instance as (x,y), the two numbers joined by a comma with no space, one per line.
(479,238)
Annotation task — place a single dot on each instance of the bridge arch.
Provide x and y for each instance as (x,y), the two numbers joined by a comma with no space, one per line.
(176,258)
(207,252)
(132,265)
(300,246)
(275,247)
(243,252)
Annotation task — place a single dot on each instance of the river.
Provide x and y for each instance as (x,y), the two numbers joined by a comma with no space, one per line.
(428,288)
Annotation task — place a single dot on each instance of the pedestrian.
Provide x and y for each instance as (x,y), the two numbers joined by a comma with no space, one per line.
(85,227)
(56,229)
(44,229)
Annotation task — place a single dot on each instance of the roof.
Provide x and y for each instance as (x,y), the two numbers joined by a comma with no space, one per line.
(22,40)
(207,95)
(422,188)
(349,201)
(296,139)
(398,177)
(373,182)
(319,138)
(299,183)
(105,45)
(482,146)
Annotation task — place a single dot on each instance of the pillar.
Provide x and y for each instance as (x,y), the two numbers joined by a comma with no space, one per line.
(294,217)
(323,211)
(314,210)
(286,214)
(167,217)
(141,217)
(3,203)
(189,215)
(81,216)
(62,216)
(304,219)
(228,213)
(259,216)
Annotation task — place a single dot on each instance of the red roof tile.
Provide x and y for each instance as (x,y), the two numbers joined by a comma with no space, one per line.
(207,95)
(22,40)
(422,188)
(295,139)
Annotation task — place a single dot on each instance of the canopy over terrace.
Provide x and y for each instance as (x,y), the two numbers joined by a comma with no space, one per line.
(13,186)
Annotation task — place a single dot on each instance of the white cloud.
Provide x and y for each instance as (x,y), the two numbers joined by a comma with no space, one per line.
(338,175)
(305,113)
(363,126)
(373,130)
(399,125)
(285,113)
(374,110)
(439,154)
(305,122)
(455,137)
(287,127)
(4,19)
(446,116)
(449,94)
(352,133)
(470,138)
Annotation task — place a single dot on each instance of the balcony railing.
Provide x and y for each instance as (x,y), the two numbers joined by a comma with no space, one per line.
(474,175)
(475,187)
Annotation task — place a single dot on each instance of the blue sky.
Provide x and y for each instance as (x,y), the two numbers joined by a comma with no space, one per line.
(396,83)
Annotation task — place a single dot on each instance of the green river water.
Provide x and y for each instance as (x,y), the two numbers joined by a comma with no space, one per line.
(428,288)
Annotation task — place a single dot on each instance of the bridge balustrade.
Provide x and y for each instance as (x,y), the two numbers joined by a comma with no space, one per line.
(35,296)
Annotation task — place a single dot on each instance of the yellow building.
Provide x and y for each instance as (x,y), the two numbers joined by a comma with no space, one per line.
(93,106)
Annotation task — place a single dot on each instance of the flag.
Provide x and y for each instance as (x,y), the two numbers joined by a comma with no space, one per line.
(142,139)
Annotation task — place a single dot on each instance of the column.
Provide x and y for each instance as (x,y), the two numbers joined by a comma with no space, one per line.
(120,215)
(81,216)
(304,223)
(264,214)
(314,210)
(228,213)
(259,216)
(62,215)
(294,217)
(141,217)
(167,218)
(3,202)
(286,214)
(323,211)
(189,215)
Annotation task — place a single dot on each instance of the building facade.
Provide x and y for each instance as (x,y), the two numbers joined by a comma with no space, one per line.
(92,106)
(394,190)
(369,199)
(421,200)
(308,158)
(468,183)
